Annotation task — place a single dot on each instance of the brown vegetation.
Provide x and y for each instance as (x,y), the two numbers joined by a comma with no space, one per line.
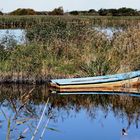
(60,48)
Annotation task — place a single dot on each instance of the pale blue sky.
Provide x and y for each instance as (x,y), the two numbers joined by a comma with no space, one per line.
(68,5)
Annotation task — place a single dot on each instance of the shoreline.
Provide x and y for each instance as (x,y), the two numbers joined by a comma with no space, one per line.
(37,80)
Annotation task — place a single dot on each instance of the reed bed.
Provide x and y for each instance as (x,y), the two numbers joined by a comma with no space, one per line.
(59,49)
(23,22)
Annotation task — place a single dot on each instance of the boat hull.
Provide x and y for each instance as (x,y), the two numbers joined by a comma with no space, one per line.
(116,86)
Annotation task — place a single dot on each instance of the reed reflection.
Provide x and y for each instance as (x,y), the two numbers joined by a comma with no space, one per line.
(21,108)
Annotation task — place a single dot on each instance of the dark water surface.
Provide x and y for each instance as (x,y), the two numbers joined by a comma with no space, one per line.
(67,117)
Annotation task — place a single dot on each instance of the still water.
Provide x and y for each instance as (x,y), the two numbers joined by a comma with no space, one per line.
(31,112)
(16,35)
(108,31)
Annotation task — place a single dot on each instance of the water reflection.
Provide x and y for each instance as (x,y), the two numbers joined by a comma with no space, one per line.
(70,116)
(12,35)
(109,31)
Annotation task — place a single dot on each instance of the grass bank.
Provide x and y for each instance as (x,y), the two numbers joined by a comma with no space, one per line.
(62,49)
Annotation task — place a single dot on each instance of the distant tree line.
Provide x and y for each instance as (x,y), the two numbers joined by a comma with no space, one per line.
(108,12)
(119,12)
(92,12)
(23,12)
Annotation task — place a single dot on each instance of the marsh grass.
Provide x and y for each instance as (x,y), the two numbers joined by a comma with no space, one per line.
(60,48)
(23,22)
(8,119)
(15,120)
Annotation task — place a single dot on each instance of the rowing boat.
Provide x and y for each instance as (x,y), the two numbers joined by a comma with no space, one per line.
(116,82)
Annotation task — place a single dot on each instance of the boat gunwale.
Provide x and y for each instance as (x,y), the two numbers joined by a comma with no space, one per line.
(99,82)
(105,78)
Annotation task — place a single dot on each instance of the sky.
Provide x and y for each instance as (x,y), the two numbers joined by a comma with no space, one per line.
(68,5)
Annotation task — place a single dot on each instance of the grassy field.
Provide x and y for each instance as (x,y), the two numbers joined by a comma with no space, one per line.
(68,46)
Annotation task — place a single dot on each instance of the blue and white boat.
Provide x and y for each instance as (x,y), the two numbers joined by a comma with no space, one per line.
(114,82)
